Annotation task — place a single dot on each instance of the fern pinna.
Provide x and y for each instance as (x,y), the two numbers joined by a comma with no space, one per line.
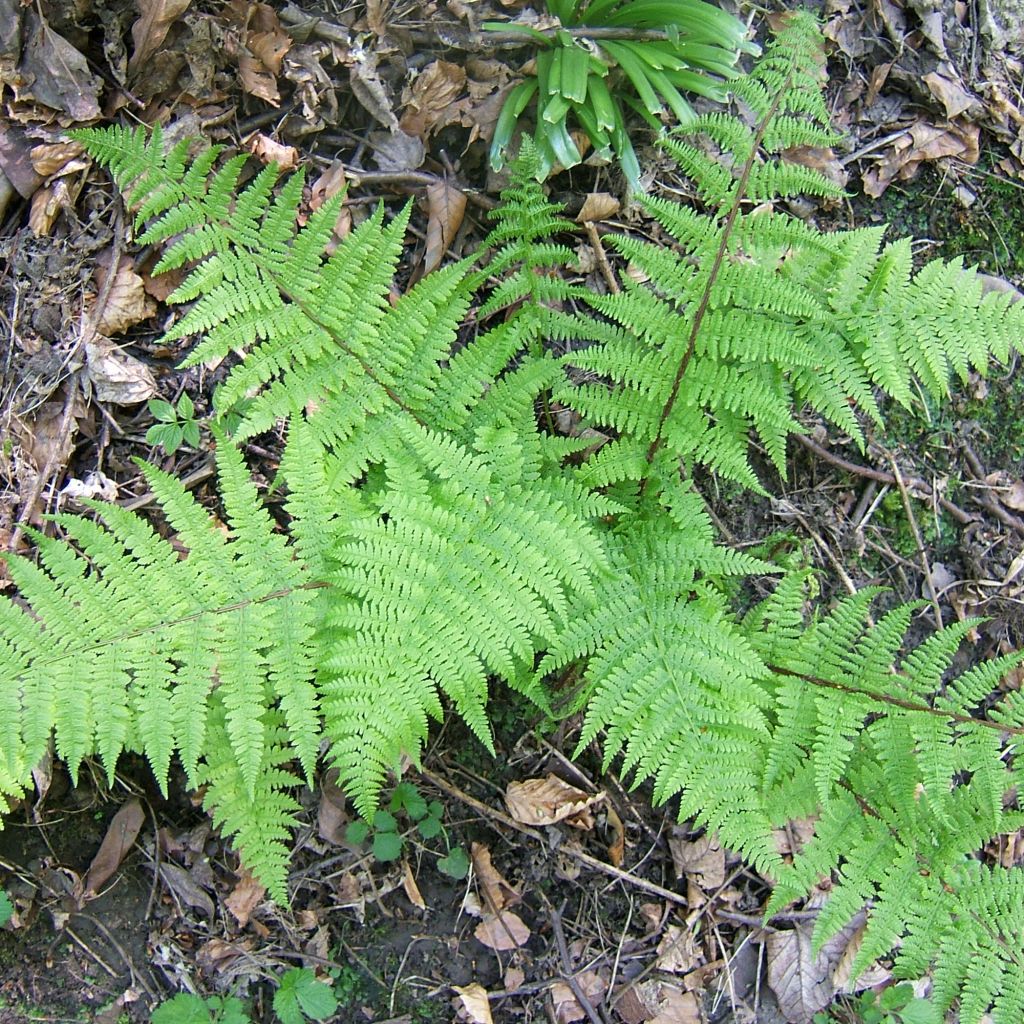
(438,533)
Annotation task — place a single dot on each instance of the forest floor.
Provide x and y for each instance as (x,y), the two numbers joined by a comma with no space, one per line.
(399,98)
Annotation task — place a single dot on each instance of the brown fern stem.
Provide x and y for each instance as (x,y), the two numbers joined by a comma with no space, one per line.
(716,266)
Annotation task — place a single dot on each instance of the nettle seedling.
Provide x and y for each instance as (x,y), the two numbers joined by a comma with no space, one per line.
(388,841)
(173,425)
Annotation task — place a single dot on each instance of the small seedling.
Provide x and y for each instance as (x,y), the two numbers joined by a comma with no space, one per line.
(300,995)
(894,1005)
(174,425)
(388,841)
(193,1009)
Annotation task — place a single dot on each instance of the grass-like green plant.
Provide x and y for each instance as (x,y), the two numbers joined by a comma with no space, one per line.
(609,56)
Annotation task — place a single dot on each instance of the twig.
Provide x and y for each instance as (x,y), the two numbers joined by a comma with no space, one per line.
(567,972)
(602,257)
(880,475)
(919,543)
(984,499)
(584,858)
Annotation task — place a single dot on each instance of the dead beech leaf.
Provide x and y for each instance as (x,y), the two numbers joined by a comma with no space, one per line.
(332,814)
(498,894)
(369,90)
(677,950)
(567,1007)
(185,888)
(598,206)
(268,151)
(412,890)
(52,72)
(949,90)
(446,206)
(150,29)
(502,931)
(246,896)
(550,800)
(121,834)
(126,303)
(430,98)
(675,1007)
(474,1004)
(115,376)
(702,859)
(57,158)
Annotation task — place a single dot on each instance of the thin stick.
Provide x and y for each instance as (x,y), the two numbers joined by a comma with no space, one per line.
(567,972)
(602,257)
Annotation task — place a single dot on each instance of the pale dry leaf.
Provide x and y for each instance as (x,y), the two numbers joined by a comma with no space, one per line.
(412,890)
(115,376)
(257,80)
(474,1005)
(44,210)
(702,859)
(127,302)
(57,158)
(332,814)
(550,800)
(151,27)
(598,206)
(677,950)
(269,151)
(502,931)
(446,206)
(121,834)
(675,1007)
(246,896)
(428,102)
(498,894)
(1013,496)
(513,978)
(369,90)
(567,1007)
(949,90)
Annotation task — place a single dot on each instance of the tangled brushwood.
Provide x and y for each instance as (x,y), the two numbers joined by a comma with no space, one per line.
(442,534)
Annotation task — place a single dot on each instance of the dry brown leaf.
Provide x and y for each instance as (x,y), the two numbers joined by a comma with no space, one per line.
(150,29)
(397,151)
(268,151)
(513,978)
(598,206)
(550,800)
(115,376)
(949,90)
(369,90)
(677,1007)
(446,206)
(502,931)
(474,1005)
(16,160)
(58,158)
(924,142)
(52,72)
(677,950)
(332,814)
(46,206)
(246,896)
(702,859)
(126,303)
(412,890)
(185,888)
(428,101)
(818,158)
(567,1008)
(121,834)
(1013,496)
(498,894)
(617,847)
(270,47)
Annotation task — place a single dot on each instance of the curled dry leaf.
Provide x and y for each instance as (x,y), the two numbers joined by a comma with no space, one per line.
(567,1007)
(121,834)
(115,376)
(922,143)
(268,151)
(150,29)
(473,1005)
(498,894)
(550,800)
(617,847)
(246,896)
(412,890)
(598,206)
(126,302)
(502,931)
(428,101)
(57,158)
(369,90)
(446,206)
(702,859)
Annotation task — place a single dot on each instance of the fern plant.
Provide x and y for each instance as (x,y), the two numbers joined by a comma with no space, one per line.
(441,532)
